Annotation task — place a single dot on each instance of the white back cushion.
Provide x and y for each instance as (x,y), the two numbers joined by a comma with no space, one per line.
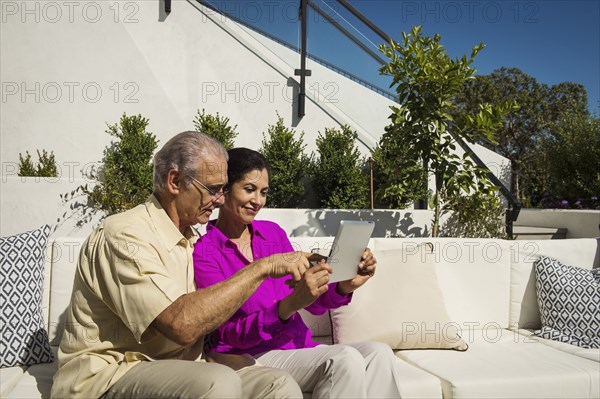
(65,252)
(473,274)
(524,310)
(46,287)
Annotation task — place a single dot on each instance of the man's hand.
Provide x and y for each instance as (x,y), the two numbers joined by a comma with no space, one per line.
(289,263)
(366,270)
(312,285)
(198,313)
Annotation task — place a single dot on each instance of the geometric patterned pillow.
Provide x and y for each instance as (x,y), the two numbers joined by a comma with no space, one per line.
(556,335)
(23,338)
(569,301)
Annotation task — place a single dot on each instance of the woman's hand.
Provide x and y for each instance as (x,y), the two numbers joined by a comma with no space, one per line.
(312,285)
(366,270)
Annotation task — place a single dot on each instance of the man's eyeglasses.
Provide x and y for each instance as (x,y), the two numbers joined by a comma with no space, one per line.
(214,194)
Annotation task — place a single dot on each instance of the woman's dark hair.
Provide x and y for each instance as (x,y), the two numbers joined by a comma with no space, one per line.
(243,160)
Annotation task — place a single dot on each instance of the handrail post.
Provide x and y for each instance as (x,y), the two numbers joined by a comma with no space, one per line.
(303,72)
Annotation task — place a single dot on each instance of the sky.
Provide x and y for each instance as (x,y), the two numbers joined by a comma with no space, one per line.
(553,41)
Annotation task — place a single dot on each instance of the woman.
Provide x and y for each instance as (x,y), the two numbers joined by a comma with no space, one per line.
(268,325)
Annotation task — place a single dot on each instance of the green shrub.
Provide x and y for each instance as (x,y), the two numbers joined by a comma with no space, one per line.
(289,165)
(398,181)
(217,127)
(478,215)
(338,178)
(124,178)
(46,166)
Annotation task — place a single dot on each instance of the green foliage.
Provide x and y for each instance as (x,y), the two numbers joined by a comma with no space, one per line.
(426,125)
(531,131)
(569,161)
(338,179)
(289,165)
(125,174)
(519,138)
(216,127)
(474,216)
(46,165)
(26,166)
(398,180)
(572,155)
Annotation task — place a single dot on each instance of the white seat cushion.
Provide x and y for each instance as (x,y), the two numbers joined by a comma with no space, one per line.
(592,353)
(417,383)
(9,376)
(505,364)
(36,382)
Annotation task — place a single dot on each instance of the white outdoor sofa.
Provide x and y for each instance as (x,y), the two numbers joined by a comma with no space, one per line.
(489,294)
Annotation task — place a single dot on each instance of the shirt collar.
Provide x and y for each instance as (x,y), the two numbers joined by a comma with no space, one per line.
(221,239)
(255,230)
(165,227)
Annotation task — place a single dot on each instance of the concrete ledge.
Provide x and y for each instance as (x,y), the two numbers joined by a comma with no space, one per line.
(539,233)
(582,223)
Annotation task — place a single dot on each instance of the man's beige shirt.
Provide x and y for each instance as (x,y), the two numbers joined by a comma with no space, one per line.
(130,270)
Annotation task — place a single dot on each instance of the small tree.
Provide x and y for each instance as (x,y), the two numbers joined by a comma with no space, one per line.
(338,178)
(289,165)
(426,124)
(46,166)
(217,127)
(125,175)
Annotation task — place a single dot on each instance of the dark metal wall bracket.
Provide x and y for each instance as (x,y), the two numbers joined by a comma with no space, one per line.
(167,6)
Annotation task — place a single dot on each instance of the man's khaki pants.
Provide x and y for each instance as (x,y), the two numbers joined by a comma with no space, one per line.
(187,379)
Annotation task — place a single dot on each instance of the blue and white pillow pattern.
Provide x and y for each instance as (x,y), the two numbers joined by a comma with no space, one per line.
(569,301)
(23,337)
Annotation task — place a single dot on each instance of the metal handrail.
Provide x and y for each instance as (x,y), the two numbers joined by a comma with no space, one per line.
(318,60)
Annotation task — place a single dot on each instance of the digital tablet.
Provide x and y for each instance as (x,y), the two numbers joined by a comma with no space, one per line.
(350,242)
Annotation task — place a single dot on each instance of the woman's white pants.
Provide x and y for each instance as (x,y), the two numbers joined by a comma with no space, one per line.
(360,370)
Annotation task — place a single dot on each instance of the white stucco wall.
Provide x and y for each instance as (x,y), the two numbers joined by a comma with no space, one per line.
(29,202)
(63,78)
(68,68)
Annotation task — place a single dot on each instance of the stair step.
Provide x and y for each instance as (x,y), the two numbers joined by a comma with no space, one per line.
(539,233)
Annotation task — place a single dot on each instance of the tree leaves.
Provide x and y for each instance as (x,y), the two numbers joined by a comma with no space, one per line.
(424,128)
(537,114)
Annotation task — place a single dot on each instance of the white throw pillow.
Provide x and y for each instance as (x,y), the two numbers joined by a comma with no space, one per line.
(402,306)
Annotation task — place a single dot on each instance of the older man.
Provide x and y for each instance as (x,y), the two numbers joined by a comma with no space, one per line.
(136,322)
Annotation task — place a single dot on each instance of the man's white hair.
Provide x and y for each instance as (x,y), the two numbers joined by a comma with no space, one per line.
(182,153)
